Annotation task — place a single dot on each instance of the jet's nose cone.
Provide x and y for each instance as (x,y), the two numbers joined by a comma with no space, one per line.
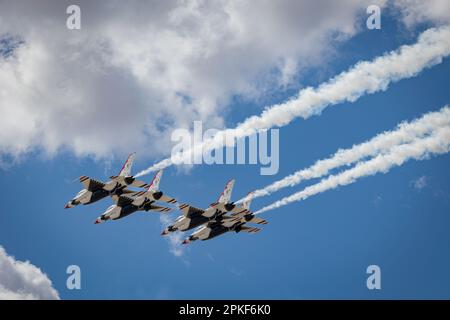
(185,241)
(97,221)
(165,232)
(67,206)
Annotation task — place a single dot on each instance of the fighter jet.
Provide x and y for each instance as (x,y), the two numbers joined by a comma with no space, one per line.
(226,223)
(140,201)
(193,217)
(95,190)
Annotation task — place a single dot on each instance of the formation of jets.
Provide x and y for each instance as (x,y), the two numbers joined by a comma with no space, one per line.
(220,217)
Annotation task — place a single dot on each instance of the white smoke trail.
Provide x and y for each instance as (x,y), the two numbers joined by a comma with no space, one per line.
(405,132)
(363,78)
(436,143)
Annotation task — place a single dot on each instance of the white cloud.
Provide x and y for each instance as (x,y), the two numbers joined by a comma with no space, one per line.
(418,11)
(174,239)
(136,70)
(23,280)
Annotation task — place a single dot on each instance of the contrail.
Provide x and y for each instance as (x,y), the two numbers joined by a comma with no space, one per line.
(363,78)
(405,132)
(437,143)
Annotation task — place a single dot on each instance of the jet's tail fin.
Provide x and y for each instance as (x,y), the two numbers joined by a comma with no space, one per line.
(126,169)
(225,196)
(154,185)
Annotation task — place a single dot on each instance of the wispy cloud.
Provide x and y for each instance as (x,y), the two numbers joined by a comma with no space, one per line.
(420,182)
(414,12)
(211,257)
(173,238)
(237,272)
(377,200)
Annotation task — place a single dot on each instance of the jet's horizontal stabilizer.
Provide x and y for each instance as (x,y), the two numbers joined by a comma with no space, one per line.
(256,220)
(249,229)
(167,199)
(229,221)
(159,209)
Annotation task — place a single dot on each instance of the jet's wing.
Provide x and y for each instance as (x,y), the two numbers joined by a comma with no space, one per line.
(130,193)
(155,196)
(91,184)
(229,221)
(235,210)
(249,229)
(129,181)
(256,220)
(190,211)
(240,211)
(122,200)
(167,199)
(159,209)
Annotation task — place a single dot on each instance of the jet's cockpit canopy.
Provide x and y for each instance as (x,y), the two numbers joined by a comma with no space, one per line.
(199,228)
(80,193)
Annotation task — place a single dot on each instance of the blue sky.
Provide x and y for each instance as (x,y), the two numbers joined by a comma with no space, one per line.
(317,248)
